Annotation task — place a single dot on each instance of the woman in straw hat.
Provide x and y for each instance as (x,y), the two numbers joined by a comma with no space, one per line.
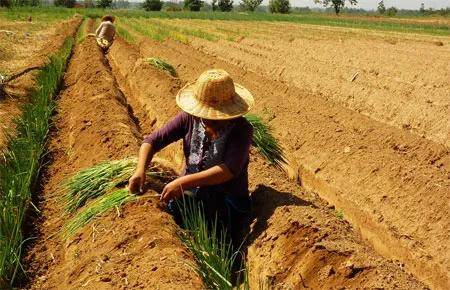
(216,143)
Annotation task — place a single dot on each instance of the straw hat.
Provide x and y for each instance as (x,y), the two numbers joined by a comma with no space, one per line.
(215,96)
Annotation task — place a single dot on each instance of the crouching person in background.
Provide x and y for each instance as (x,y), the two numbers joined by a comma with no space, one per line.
(105,32)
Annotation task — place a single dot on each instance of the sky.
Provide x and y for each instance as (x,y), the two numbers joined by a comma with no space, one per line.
(372,4)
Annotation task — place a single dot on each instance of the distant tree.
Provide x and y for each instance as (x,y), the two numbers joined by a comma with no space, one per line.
(214,5)
(337,4)
(193,5)
(381,7)
(444,11)
(279,6)
(5,3)
(120,4)
(251,5)
(225,5)
(171,6)
(302,9)
(88,3)
(392,11)
(65,3)
(104,3)
(152,5)
(422,8)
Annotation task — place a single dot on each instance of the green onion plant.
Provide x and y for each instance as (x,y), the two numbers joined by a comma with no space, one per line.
(162,65)
(213,253)
(21,163)
(112,200)
(264,141)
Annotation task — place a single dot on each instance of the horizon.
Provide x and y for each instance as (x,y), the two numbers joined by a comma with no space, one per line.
(362,4)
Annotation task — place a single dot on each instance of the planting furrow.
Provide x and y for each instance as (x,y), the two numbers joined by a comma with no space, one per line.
(27,53)
(296,241)
(22,161)
(134,247)
(392,185)
(388,87)
(151,97)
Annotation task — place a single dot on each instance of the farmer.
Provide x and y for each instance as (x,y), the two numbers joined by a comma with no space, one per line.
(105,32)
(216,143)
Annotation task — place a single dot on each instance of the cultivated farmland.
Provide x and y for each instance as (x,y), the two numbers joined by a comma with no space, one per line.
(361,112)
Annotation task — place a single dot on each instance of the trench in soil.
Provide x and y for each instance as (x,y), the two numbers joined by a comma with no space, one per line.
(157,91)
(18,90)
(297,240)
(391,185)
(138,248)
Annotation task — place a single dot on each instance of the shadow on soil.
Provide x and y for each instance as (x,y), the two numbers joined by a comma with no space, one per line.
(265,200)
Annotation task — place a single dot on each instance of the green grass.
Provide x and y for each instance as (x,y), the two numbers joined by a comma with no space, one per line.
(162,65)
(183,30)
(339,214)
(125,34)
(371,23)
(153,30)
(81,33)
(22,162)
(44,14)
(111,200)
(50,14)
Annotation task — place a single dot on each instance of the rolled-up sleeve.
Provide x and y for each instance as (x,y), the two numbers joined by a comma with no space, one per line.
(238,148)
(173,131)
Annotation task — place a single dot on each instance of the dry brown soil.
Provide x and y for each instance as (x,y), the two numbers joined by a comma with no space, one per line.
(29,44)
(402,79)
(297,240)
(391,184)
(138,248)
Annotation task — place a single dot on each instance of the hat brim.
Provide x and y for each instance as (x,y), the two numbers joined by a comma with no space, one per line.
(239,105)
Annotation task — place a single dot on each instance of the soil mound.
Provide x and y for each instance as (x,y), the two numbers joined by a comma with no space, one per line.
(137,248)
(294,235)
(392,185)
(27,52)
(298,241)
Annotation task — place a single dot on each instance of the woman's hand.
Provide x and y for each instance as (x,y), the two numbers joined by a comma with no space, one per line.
(172,190)
(136,182)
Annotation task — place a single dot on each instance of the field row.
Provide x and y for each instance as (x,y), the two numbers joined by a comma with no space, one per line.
(357,154)
(360,75)
(375,172)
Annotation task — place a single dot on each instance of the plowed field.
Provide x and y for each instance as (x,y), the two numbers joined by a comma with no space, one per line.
(24,45)
(362,115)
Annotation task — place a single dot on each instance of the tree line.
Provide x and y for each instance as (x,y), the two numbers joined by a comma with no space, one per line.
(275,6)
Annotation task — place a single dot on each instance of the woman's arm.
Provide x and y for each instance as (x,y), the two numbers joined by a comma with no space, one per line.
(97,32)
(136,182)
(174,130)
(215,175)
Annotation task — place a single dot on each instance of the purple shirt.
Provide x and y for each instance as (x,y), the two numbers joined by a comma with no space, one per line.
(237,148)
